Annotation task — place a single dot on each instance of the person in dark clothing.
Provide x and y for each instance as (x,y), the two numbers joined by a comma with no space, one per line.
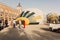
(1,24)
(6,23)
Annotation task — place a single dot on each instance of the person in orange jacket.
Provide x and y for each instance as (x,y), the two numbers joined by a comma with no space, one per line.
(24,23)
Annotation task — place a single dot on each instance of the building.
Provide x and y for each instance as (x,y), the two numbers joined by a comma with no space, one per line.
(7,12)
(19,8)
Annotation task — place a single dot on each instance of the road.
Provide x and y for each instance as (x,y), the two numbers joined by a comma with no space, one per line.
(31,32)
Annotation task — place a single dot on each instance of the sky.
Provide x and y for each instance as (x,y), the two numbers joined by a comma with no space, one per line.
(46,6)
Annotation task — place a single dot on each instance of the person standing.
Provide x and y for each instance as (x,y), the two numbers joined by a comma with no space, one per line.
(6,23)
(19,24)
(0,23)
(9,22)
(14,23)
(24,23)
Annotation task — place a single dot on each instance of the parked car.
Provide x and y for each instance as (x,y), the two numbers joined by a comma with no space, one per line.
(54,27)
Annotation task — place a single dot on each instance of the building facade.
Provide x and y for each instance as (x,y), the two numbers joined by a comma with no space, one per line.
(7,12)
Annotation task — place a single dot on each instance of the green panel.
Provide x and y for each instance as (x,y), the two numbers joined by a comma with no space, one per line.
(27,12)
(21,14)
(30,14)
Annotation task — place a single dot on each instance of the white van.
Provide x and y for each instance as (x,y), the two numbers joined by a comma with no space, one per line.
(54,27)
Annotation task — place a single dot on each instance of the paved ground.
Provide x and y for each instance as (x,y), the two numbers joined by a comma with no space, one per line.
(31,32)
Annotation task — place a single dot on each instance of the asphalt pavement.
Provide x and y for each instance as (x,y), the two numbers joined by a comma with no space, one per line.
(31,32)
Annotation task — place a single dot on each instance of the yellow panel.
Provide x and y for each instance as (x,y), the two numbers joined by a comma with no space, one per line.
(37,17)
(23,18)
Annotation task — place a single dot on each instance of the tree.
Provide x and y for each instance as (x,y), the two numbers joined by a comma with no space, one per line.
(52,18)
(59,19)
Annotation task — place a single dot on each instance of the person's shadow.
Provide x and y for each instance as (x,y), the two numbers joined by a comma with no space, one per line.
(13,34)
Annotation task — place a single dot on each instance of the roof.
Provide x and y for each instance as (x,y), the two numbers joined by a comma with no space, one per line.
(18,5)
(8,8)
